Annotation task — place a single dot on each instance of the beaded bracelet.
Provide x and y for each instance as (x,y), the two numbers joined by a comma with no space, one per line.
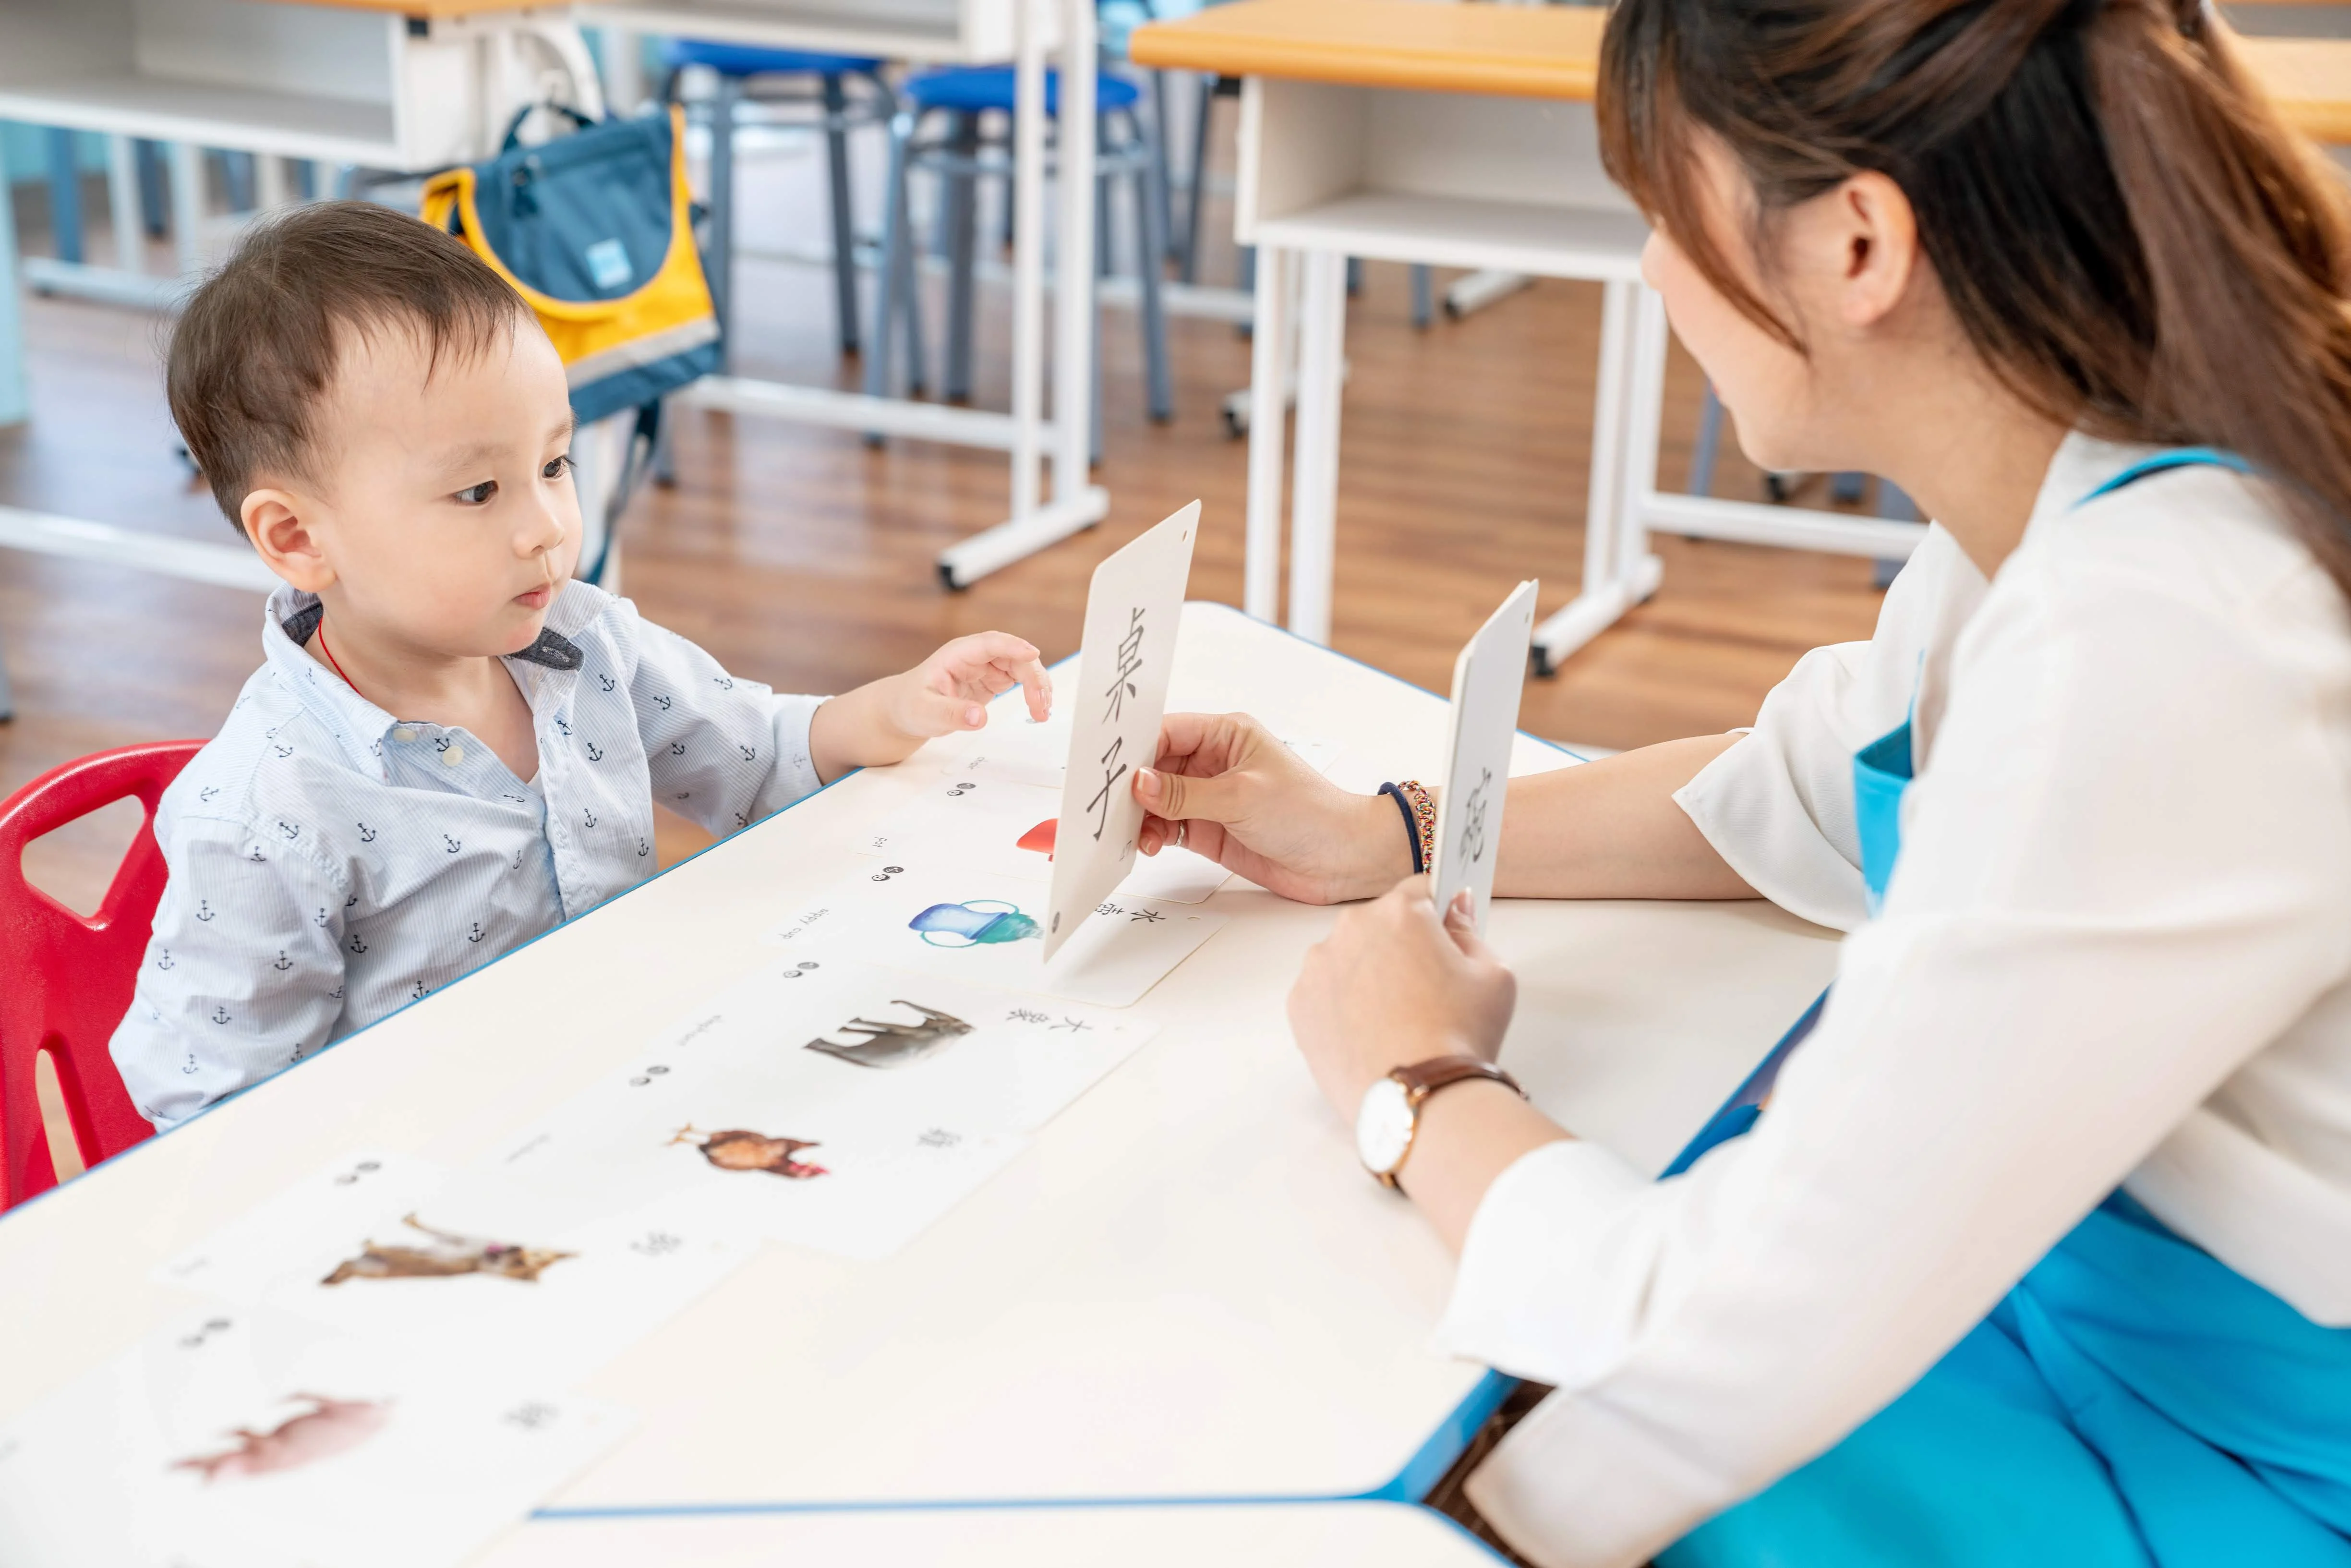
(1419,822)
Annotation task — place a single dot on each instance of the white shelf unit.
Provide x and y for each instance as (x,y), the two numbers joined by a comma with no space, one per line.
(343,86)
(1506,184)
(920,31)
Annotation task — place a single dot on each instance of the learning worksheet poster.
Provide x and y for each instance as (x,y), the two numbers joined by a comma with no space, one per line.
(494,1280)
(242,1437)
(823,1103)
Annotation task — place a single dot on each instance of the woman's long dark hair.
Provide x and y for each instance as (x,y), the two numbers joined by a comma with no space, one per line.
(2128,234)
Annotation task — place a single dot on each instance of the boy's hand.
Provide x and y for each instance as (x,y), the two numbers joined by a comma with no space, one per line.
(884,722)
(949,691)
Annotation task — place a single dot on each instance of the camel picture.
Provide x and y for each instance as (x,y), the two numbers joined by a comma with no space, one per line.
(445,1255)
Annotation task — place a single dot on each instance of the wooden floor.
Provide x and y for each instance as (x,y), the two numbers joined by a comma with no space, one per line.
(802,559)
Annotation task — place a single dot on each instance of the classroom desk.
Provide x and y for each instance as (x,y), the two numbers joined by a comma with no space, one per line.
(1276,1535)
(1185,1288)
(1463,135)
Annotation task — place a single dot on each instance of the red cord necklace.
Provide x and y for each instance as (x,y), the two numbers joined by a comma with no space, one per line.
(330,656)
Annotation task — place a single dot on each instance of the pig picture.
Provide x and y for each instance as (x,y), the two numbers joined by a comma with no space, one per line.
(443,1255)
(328,1428)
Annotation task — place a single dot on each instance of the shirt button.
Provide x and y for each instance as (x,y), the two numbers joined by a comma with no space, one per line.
(454,756)
(403,733)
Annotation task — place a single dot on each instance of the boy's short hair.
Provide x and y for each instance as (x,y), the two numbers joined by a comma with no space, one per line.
(259,344)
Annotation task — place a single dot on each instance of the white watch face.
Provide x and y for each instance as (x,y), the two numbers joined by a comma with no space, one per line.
(1384,1127)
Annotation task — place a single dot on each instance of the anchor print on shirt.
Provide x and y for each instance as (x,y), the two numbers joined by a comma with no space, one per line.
(662,703)
(476,935)
(284,963)
(204,911)
(642,850)
(591,817)
(595,753)
(607,682)
(678,748)
(336,995)
(726,683)
(454,844)
(283,750)
(207,792)
(750,753)
(320,920)
(564,725)
(356,945)
(367,834)
(419,992)
(289,831)
(255,855)
(219,1013)
(163,959)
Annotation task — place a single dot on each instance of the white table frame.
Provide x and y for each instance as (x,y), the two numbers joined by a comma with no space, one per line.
(967,32)
(1128,1260)
(1505,184)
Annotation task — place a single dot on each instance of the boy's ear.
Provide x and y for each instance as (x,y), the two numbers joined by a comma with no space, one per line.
(276,521)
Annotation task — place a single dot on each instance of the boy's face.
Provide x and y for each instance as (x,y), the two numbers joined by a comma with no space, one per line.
(441,517)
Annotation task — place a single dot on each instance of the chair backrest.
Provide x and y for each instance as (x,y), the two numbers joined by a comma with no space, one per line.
(65,980)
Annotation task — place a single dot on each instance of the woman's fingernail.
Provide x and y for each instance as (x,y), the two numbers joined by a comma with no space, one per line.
(973,717)
(1146,779)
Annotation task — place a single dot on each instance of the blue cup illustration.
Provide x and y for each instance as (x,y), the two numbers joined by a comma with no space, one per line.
(981,922)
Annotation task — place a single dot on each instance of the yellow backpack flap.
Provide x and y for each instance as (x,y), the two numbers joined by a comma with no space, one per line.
(595,231)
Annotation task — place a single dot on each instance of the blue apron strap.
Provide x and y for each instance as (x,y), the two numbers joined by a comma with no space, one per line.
(2163,462)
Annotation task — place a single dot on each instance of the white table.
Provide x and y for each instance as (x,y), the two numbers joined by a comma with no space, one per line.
(1292,1535)
(975,32)
(1184,1288)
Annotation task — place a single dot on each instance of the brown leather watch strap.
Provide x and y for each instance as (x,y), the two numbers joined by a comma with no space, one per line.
(1422,1079)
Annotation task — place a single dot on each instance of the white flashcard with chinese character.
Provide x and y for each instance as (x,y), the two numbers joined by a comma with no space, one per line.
(487,1276)
(1487,679)
(238,1438)
(1133,607)
(824,1102)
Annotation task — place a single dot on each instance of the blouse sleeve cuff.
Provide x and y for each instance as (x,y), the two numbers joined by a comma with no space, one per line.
(1549,1283)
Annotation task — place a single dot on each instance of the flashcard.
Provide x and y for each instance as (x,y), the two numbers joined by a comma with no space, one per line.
(1487,679)
(967,925)
(495,1281)
(1132,608)
(243,1438)
(824,1102)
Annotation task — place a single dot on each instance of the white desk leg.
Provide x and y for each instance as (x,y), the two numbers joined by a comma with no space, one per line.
(1077,502)
(186,163)
(1636,569)
(1314,499)
(1028,263)
(122,199)
(1267,437)
(1602,598)
(16,401)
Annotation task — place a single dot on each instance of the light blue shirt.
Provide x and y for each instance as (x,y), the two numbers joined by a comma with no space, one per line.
(331,863)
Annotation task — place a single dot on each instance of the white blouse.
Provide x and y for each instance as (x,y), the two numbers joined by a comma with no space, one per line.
(2117,950)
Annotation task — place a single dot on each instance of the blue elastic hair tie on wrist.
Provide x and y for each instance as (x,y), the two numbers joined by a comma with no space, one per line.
(1411,825)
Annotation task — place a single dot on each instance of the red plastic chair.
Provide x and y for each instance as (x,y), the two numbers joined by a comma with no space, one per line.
(66,980)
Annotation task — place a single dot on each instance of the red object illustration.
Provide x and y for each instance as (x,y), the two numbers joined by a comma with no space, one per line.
(328,1428)
(1040,836)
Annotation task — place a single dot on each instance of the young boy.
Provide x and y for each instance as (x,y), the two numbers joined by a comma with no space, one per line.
(453,746)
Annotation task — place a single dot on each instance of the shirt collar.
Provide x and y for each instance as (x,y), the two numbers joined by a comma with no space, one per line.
(358,725)
(2080,465)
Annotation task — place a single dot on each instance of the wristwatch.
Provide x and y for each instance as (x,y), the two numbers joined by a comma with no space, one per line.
(1389,1118)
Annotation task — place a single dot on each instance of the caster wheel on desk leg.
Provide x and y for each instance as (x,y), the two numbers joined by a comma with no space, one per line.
(1776,489)
(1541,661)
(947,579)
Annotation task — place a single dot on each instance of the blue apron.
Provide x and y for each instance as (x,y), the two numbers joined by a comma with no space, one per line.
(2133,1403)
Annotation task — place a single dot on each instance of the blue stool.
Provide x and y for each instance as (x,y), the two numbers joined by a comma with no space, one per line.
(745,76)
(963,157)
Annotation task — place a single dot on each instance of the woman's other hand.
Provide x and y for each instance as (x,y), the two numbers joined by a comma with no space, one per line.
(1394,984)
(1249,803)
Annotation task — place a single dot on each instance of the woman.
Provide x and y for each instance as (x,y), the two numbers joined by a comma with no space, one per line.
(2042,1250)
